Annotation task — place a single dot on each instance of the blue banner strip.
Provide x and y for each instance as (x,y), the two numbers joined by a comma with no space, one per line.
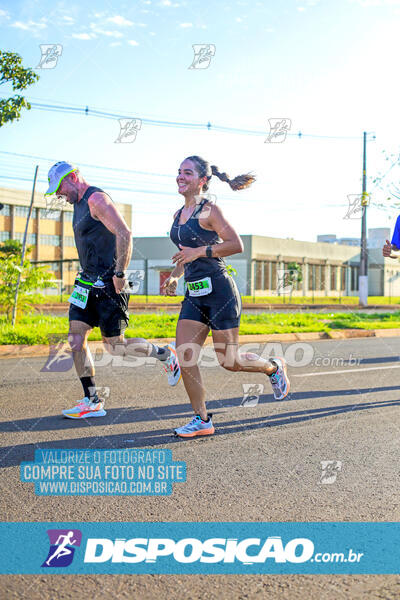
(246,548)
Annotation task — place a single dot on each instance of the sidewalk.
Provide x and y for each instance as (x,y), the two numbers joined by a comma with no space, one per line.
(22,351)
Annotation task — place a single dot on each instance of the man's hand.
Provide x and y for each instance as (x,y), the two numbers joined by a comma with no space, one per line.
(169,286)
(387,250)
(186,255)
(119,283)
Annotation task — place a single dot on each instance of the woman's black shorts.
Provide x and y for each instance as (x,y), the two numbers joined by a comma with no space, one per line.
(221,309)
(105,309)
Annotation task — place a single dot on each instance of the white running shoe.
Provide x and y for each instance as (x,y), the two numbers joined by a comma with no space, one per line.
(171,366)
(85,409)
(196,427)
(280,380)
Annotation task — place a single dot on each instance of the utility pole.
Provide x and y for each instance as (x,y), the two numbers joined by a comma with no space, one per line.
(363,277)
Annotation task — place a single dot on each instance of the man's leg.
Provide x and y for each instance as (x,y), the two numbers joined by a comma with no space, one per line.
(91,405)
(118,345)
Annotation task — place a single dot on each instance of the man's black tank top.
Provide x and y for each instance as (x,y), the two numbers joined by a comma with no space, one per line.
(192,235)
(96,245)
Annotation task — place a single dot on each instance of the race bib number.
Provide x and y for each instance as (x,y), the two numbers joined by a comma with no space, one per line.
(79,296)
(200,288)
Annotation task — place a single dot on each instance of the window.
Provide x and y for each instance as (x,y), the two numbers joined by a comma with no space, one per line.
(5,211)
(50,240)
(267,275)
(273,276)
(311,277)
(354,277)
(48,213)
(4,235)
(342,278)
(333,277)
(321,278)
(296,284)
(69,241)
(68,215)
(259,265)
(30,238)
(21,211)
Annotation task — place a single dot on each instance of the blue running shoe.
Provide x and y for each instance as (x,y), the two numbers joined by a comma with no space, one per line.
(196,427)
(279,380)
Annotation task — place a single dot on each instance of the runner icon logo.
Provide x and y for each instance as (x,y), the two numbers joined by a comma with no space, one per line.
(251,393)
(330,470)
(62,550)
(203,54)
(60,358)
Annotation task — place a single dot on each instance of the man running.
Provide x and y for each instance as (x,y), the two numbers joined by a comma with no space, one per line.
(104,244)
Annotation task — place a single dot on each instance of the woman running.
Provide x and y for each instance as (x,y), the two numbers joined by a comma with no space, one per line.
(212,301)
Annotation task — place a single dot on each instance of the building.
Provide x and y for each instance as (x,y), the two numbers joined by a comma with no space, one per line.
(377,237)
(50,232)
(332,239)
(327,269)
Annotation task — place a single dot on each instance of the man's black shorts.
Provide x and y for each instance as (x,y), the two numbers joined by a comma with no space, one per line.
(105,309)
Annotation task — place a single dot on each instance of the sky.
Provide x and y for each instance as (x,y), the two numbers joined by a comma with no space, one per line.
(329,68)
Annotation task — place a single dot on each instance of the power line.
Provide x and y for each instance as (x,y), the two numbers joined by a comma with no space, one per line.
(103,168)
(94,112)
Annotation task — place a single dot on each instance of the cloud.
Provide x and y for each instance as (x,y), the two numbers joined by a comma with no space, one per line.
(4,14)
(83,36)
(133,43)
(185,25)
(113,33)
(68,20)
(168,3)
(113,44)
(301,8)
(118,20)
(377,2)
(29,25)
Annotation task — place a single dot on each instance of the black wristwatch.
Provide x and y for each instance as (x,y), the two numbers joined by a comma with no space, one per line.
(209,252)
(119,274)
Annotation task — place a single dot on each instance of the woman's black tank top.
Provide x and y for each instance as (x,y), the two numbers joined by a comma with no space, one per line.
(192,235)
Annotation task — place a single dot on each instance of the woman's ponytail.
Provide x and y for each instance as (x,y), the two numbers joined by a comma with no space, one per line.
(240,182)
(204,169)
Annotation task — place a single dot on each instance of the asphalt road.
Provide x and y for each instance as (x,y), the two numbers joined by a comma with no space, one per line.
(263,463)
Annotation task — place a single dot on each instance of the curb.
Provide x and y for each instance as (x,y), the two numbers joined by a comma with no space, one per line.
(26,351)
(63,307)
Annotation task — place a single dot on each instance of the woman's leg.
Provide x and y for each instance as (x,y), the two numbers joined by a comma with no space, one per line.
(190,337)
(226,345)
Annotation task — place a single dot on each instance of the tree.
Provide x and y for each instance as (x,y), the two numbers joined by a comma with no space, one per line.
(294,275)
(12,72)
(32,277)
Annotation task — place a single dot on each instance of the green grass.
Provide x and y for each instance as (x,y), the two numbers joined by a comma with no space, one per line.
(40,329)
(41,299)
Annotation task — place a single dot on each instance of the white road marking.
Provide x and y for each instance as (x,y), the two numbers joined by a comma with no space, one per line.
(345,371)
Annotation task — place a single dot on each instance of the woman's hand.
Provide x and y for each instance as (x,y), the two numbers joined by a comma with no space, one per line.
(169,286)
(185,255)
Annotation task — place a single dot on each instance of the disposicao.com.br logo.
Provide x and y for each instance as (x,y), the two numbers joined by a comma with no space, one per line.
(247,551)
